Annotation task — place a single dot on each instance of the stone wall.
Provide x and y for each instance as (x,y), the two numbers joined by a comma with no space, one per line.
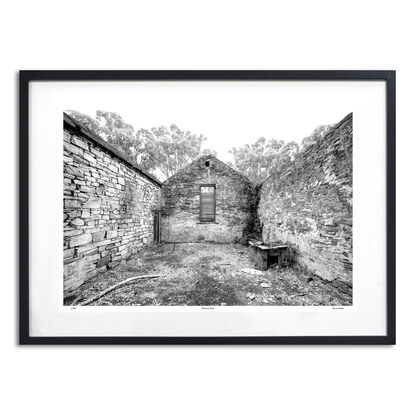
(309,205)
(181,204)
(108,205)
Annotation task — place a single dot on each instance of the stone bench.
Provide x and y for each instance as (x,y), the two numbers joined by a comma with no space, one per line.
(264,256)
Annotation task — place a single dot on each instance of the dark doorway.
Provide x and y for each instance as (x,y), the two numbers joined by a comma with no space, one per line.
(156,227)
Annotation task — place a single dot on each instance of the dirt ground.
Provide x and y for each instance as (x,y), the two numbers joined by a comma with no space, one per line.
(203,274)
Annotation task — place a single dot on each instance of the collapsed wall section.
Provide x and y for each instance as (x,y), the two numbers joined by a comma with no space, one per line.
(108,205)
(309,205)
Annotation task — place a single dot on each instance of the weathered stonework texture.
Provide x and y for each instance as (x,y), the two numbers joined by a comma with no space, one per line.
(181,204)
(108,206)
(309,205)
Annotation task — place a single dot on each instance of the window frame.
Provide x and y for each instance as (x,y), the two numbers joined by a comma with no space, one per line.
(201,220)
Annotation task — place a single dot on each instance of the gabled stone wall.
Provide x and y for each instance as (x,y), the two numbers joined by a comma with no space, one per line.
(108,205)
(181,204)
(309,205)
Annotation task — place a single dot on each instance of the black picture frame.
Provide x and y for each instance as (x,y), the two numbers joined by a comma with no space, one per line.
(389,76)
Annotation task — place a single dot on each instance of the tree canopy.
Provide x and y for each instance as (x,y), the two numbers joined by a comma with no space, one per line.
(161,150)
(119,133)
(112,128)
(265,157)
(169,149)
(209,152)
(87,121)
(318,132)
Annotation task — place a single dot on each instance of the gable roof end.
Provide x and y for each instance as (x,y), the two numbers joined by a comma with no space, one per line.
(205,157)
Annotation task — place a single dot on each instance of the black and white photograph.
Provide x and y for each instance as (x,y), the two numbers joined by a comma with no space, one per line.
(212,197)
(228,206)
(205,209)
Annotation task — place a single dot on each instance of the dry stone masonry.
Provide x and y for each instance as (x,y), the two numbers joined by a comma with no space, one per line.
(108,205)
(182,197)
(309,205)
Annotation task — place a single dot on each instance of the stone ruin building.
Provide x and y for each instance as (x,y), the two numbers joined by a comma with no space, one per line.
(112,208)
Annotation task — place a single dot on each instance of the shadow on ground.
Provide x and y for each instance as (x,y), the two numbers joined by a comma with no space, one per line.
(203,274)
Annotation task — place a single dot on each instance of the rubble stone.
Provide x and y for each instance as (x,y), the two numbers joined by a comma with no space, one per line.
(101,196)
(181,203)
(309,205)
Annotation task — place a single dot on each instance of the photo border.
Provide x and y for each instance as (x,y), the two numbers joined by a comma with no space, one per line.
(389,76)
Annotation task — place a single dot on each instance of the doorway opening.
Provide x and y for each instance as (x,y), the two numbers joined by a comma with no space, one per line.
(157,227)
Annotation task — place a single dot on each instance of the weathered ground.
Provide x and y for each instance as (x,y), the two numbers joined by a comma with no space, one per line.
(203,274)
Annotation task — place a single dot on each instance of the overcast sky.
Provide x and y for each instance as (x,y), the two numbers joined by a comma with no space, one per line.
(227,113)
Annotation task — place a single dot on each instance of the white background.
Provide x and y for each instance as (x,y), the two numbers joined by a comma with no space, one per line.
(226,114)
(214,35)
(260,101)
